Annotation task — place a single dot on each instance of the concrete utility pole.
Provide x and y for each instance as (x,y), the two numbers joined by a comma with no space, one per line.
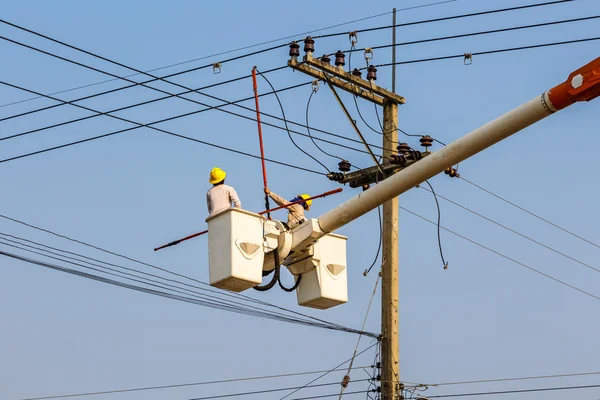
(390,340)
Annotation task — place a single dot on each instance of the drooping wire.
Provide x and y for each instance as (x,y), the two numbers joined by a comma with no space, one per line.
(439,217)
(379,245)
(286,124)
(313,91)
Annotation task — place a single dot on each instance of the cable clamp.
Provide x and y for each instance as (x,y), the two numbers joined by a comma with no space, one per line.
(468,60)
(353,36)
(217,68)
(315,86)
(369,54)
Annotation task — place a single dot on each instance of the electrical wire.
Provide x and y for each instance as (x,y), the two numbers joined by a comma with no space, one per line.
(100,113)
(551,389)
(227,52)
(514,379)
(308,128)
(428,21)
(439,218)
(156,292)
(138,125)
(504,256)
(286,125)
(264,391)
(213,382)
(471,34)
(359,337)
(138,71)
(529,212)
(480,53)
(327,373)
(210,288)
(518,233)
(379,245)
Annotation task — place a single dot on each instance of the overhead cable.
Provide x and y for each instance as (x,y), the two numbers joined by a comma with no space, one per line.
(481,53)
(230,51)
(529,212)
(550,389)
(505,256)
(213,382)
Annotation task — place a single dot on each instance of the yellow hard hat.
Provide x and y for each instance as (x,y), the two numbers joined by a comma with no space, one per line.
(309,202)
(217,175)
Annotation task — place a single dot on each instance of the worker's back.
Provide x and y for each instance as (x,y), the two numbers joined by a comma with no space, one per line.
(220,197)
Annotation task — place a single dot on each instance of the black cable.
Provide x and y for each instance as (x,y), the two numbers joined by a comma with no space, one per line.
(476,14)
(551,389)
(138,389)
(275,277)
(504,256)
(227,52)
(285,122)
(290,289)
(210,288)
(160,121)
(379,245)
(529,212)
(136,70)
(308,128)
(471,34)
(518,233)
(265,391)
(439,217)
(535,46)
(328,372)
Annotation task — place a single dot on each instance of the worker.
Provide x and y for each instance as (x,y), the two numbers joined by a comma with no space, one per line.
(295,211)
(220,196)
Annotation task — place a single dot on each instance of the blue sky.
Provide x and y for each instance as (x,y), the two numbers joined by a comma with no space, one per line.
(485,317)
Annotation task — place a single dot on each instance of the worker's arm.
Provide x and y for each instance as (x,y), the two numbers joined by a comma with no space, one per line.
(278,199)
(208,203)
(233,197)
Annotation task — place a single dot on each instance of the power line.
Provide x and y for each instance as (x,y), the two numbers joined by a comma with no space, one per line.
(100,113)
(165,294)
(229,51)
(514,379)
(516,232)
(267,391)
(551,389)
(529,212)
(481,53)
(504,256)
(328,372)
(209,288)
(476,14)
(138,389)
(140,125)
(464,35)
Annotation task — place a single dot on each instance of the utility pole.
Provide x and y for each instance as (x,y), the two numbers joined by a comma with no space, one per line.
(353,83)
(390,354)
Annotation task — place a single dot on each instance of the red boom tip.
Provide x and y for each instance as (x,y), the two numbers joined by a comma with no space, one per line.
(582,85)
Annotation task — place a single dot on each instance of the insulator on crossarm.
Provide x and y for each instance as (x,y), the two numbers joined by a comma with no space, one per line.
(403,148)
(340,59)
(309,45)
(294,50)
(397,159)
(426,141)
(452,172)
(326,59)
(372,73)
(344,166)
(335,176)
(356,72)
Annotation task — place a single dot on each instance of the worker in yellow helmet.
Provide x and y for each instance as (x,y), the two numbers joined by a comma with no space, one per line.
(295,211)
(220,196)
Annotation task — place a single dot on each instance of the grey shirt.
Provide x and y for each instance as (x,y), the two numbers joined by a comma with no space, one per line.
(220,197)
